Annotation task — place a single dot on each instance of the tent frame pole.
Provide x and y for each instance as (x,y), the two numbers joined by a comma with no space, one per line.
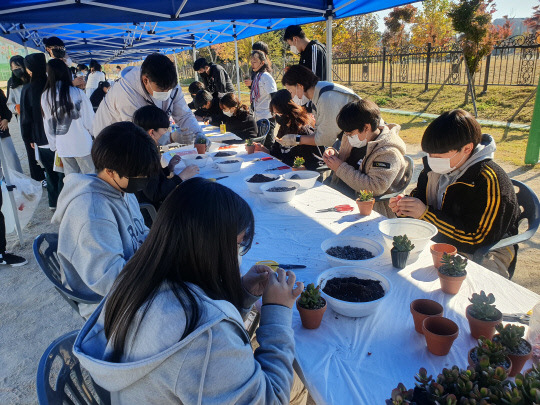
(237,62)
(329,18)
(194,59)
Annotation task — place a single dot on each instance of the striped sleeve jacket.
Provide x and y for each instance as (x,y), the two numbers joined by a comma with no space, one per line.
(479,209)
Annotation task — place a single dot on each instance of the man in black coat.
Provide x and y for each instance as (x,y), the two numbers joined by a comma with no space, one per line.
(214,77)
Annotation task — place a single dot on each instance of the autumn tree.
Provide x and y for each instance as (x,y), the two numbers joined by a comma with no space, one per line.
(363,34)
(395,35)
(432,24)
(533,23)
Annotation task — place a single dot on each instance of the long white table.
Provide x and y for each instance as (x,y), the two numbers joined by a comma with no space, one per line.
(359,360)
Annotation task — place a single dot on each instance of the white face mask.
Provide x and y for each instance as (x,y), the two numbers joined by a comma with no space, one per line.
(228,113)
(356,142)
(161,95)
(442,165)
(294,50)
(69,62)
(301,101)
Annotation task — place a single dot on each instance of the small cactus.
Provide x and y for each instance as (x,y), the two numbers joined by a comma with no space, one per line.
(510,336)
(311,298)
(249,142)
(365,195)
(200,140)
(483,308)
(453,266)
(298,161)
(402,243)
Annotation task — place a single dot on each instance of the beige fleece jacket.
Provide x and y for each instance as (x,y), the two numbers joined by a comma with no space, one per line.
(381,170)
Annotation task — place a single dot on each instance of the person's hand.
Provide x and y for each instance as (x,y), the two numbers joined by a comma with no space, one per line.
(33,146)
(287,140)
(247,82)
(256,279)
(4,125)
(260,148)
(332,161)
(281,290)
(393,203)
(189,172)
(411,207)
(78,81)
(330,152)
(174,161)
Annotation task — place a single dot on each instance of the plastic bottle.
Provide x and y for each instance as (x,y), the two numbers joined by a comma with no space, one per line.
(533,334)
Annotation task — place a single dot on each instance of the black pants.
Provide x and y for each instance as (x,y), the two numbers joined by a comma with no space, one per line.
(2,229)
(55,180)
(36,172)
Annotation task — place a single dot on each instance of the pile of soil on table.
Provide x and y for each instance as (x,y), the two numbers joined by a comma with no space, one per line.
(223,154)
(260,178)
(227,162)
(353,289)
(349,253)
(280,189)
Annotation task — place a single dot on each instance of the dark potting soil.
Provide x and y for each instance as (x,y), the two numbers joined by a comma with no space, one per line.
(260,178)
(223,154)
(280,189)
(523,348)
(228,162)
(353,289)
(295,177)
(349,253)
(198,157)
(474,358)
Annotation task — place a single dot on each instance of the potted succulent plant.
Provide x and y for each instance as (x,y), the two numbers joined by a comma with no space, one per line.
(517,348)
(452,273)
(200,145)
(401,250)
(250,147)
(489,352)
(365,202)
(311,307)
(482,315)
(298,164)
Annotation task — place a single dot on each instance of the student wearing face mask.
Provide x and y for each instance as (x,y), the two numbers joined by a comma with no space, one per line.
(56,49)
(94,78)
(153,83)
(370,156)
(463,192)
(327,101)
(101,225)
(262,89)
(215,78)
(237,118)
(194,88)
(207,108)
(312,53)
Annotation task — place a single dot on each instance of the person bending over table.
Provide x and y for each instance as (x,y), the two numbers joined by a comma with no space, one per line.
(156,123)
(327,100)
(101,225)
(171,330)
(370,156)
(237,118)
(194,88)
(463,192)
(208,108)
(292,118)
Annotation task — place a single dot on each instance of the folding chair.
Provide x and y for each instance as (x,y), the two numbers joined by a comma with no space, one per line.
(530,210)
(61,379)
(151,211)
(45,247)
(263,129)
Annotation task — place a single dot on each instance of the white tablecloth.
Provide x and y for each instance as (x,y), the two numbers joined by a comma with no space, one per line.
(360,360)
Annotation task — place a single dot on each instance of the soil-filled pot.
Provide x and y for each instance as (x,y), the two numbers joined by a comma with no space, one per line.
(440,334)
(296,169)
(523,353)
(422,309)
(201,148)
(311,318)
(399,259)
(438,249)
(482,328)
(365,207)
(450,284)
(473,361)
(250,149)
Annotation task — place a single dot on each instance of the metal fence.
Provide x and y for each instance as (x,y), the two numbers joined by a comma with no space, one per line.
(513,62)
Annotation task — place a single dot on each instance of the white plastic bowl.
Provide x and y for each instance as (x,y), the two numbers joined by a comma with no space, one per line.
(229,167)
(216,159)
(353,309)
(419,232)
(256,187)
(192,160)
(355,241)
(279,196)
(307,178)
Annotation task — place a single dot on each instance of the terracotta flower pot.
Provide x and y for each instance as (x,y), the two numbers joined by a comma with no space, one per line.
(365,207)
(437,251)
(399,259)
(422,309)
(311,318)
(482,328)
(296,169)
(201,148)
(473,364)
(450,284)
(250,149)
(518,361)
(440,334)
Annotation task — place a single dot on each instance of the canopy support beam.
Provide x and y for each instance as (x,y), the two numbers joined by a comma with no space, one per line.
(237,62)
(194,59)
(329,18)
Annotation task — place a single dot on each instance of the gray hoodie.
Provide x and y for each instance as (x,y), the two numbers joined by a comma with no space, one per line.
(100,229)
(214,364)
(128,95)
(437,183)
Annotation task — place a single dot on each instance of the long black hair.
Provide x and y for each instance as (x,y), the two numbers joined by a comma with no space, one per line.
(193,240)
(99,94)
(264,59)
(58,72)
(294,116)
(15,82)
